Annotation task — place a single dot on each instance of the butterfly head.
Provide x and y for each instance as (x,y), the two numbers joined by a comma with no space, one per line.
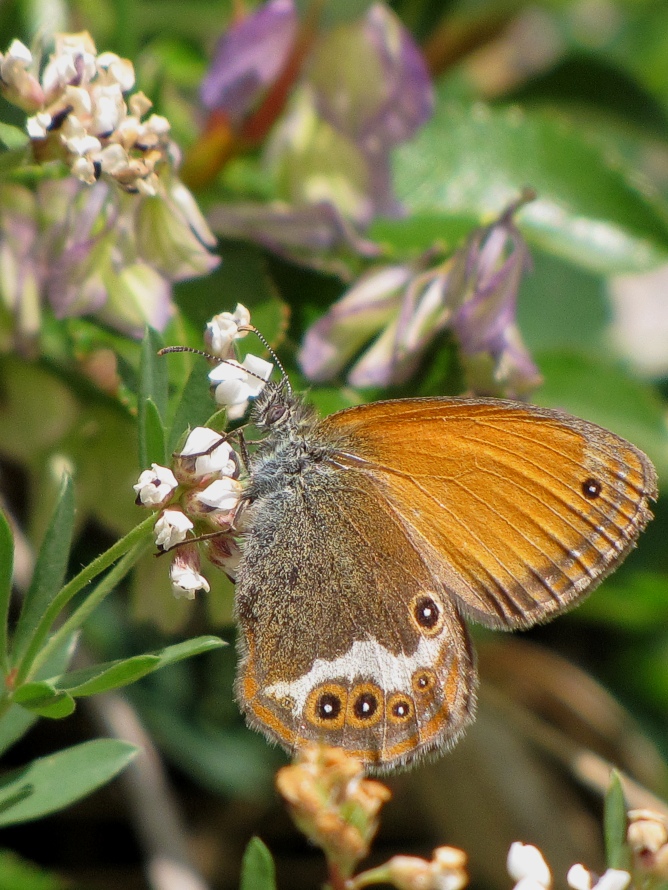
(277,408)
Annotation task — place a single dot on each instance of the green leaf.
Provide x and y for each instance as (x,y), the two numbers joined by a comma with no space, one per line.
(107,676)
(19,874)
(49,572)
(16,721)
(51,783)
(257,867)
(114,674)
(41,698)
(472,161)
(153,442)
(614,824)
(6,574)
(152,400)
(195,405)
(13,137)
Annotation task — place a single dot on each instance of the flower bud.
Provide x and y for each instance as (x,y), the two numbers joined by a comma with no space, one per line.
(171,528)
(223,330)
(205,453)
(526,861)
(185,575)
(155,486)
(233,385)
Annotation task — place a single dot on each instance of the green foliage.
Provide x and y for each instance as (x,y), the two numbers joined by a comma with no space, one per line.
(50,783)
(471,162)
(257,868)
(614,825)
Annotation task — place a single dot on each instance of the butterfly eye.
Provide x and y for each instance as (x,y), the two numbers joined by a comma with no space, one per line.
(275,414)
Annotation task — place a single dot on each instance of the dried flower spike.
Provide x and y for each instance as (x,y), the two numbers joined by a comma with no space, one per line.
(333,804)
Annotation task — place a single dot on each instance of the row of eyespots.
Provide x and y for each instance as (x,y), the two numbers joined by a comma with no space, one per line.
(331,705)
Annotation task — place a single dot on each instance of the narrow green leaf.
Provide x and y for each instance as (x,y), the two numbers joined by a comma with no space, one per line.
(104,677)
(195,405)
(153,443)
(43,699)
(152,388)
(196,646)
(51,783)
(6,573)
(49,572)
(614,824)
(257,867)
(473,160)
(114,674)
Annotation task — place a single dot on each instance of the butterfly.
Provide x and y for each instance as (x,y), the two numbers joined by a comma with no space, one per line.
(374,534)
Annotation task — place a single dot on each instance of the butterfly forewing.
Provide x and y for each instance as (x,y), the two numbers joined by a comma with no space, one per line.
(517,510)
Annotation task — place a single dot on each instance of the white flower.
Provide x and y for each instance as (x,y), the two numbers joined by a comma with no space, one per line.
(83,145)
(155,485)
(221,494)
(37,125)
(526,864)
(212,453)
(116,70)
(234,384)
(171,528)
(580,878)
(223,330)
(185,575)
(19,85)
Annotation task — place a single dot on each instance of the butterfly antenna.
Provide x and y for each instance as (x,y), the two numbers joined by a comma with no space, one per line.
(223,361)
(274,357)
(212,358)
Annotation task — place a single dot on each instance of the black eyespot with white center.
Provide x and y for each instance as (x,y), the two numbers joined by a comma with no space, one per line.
(365,706)
(329,706)
(426,612)
(400,708)
(591,488)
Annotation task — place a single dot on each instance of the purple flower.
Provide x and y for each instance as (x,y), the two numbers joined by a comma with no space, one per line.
(484,283)
(405,307)
(249,58)
(92,250)
(359,88)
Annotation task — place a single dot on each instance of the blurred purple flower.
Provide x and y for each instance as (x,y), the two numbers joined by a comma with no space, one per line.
(363,88)
(248,58)
(473,294)
(87,250)
(485,283)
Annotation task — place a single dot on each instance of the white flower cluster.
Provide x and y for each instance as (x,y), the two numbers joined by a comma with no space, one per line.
(200,495)
(79,110)
(527,867)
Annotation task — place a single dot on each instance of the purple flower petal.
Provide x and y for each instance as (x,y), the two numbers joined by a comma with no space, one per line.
(249,57)
(286,229)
